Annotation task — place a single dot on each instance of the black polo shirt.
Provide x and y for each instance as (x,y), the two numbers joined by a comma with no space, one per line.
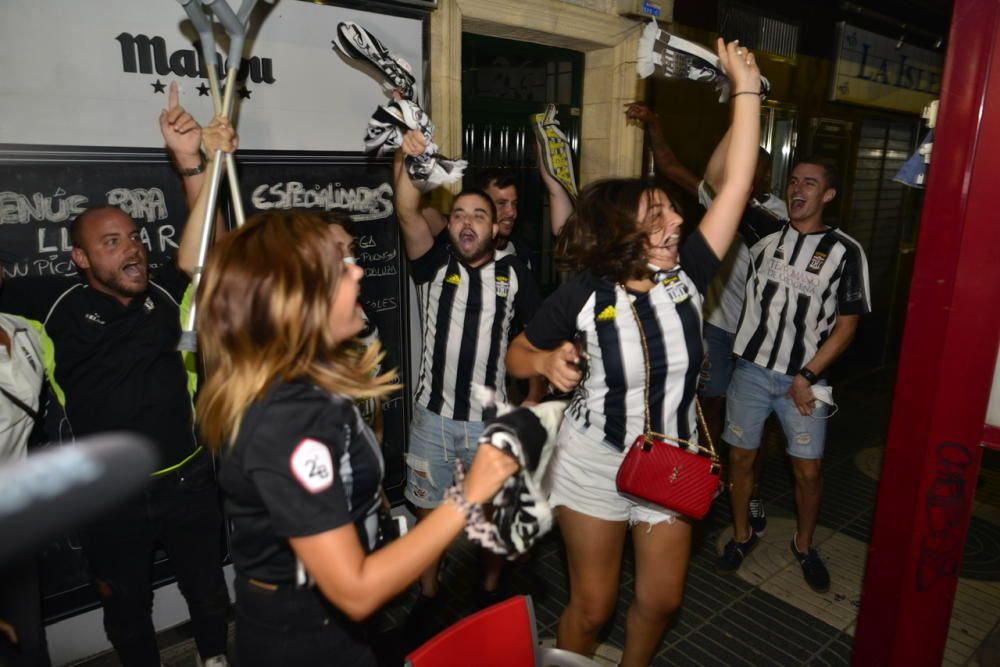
(304,462)
(118,366)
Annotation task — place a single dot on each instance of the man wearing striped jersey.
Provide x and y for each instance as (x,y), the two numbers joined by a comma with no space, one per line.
(806,290)
(468,299)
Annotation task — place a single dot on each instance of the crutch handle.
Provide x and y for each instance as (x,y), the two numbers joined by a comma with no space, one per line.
(230,21)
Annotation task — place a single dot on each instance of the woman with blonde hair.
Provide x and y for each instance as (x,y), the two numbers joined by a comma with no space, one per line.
(633,311)
(301,471)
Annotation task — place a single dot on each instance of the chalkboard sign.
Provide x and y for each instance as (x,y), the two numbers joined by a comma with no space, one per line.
(361,188)
(42,188)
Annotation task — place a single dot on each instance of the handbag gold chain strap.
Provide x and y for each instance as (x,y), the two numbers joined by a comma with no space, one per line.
(710,450)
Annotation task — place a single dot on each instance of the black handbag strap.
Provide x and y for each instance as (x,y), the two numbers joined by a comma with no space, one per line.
(34,414)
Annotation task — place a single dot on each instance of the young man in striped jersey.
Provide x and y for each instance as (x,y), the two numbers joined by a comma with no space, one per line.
(469,296)
(807,288)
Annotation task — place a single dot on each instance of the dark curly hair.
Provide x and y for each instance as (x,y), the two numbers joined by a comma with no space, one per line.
(603,235)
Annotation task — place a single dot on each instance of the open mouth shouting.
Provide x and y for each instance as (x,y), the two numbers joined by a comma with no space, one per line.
(468,240)
(134,269)
(670,240)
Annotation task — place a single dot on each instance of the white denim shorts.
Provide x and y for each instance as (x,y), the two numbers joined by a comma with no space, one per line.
(582,478)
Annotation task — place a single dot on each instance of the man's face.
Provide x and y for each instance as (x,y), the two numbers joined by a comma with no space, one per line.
(111,255)
(505,199)
(471,229)
(807,192)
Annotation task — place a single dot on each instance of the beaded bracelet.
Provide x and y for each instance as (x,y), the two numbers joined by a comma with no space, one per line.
(456,496)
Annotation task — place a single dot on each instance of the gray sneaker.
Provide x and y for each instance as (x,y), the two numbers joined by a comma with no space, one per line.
(758,519)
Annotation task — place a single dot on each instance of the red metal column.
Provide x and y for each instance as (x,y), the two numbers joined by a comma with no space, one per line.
(949,349)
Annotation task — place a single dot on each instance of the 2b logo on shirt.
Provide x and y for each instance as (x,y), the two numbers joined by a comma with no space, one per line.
(312,465)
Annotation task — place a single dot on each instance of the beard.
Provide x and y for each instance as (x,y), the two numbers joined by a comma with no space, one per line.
(473,255)
(114,282)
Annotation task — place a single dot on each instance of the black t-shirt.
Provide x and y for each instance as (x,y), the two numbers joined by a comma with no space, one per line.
(118,366)
(304,463)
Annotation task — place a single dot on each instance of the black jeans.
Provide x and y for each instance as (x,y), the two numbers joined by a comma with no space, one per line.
(20,606)
(289,626)
(182,512)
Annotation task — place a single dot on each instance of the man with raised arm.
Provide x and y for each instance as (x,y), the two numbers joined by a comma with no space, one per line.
(468,299)
(117,367)
(501,186)
(807,289)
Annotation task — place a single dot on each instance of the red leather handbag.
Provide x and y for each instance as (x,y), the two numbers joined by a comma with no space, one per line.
(676,474)
(669,475)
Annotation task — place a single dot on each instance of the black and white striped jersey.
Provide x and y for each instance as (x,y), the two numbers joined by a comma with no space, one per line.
(467,315)
(515,246)
(609,404)
(797,285)
(725,294)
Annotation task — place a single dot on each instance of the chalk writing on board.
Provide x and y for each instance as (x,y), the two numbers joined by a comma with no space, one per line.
(361,203)
(367,258)
(386,303)
(380,271)
(159,239)
(17,208)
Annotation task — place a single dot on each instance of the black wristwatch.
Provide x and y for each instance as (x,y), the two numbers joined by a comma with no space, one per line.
(193,171)
(809,375)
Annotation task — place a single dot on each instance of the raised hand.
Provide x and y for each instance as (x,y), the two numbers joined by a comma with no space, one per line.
(220,135)
(740,66)
(640,112)
(414,143)
(181,132)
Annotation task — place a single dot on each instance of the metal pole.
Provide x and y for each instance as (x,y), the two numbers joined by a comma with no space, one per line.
(189,341)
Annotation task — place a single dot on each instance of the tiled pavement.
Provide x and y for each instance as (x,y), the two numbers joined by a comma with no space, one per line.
(764,615)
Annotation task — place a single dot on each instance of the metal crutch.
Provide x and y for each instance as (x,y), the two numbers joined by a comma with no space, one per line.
(237,32)
(203,25)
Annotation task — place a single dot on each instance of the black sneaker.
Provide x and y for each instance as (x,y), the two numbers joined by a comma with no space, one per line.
(733,554)
(758,519)
(813,570)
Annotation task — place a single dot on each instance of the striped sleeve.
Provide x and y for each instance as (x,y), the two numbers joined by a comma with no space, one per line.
(853,295)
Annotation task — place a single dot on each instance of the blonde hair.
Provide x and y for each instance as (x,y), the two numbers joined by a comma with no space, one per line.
(264,314)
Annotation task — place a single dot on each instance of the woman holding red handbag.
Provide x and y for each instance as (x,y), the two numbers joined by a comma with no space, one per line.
(625,336)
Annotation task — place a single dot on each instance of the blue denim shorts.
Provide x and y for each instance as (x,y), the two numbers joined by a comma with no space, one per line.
(435,443)
(717,365)
(753,394)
